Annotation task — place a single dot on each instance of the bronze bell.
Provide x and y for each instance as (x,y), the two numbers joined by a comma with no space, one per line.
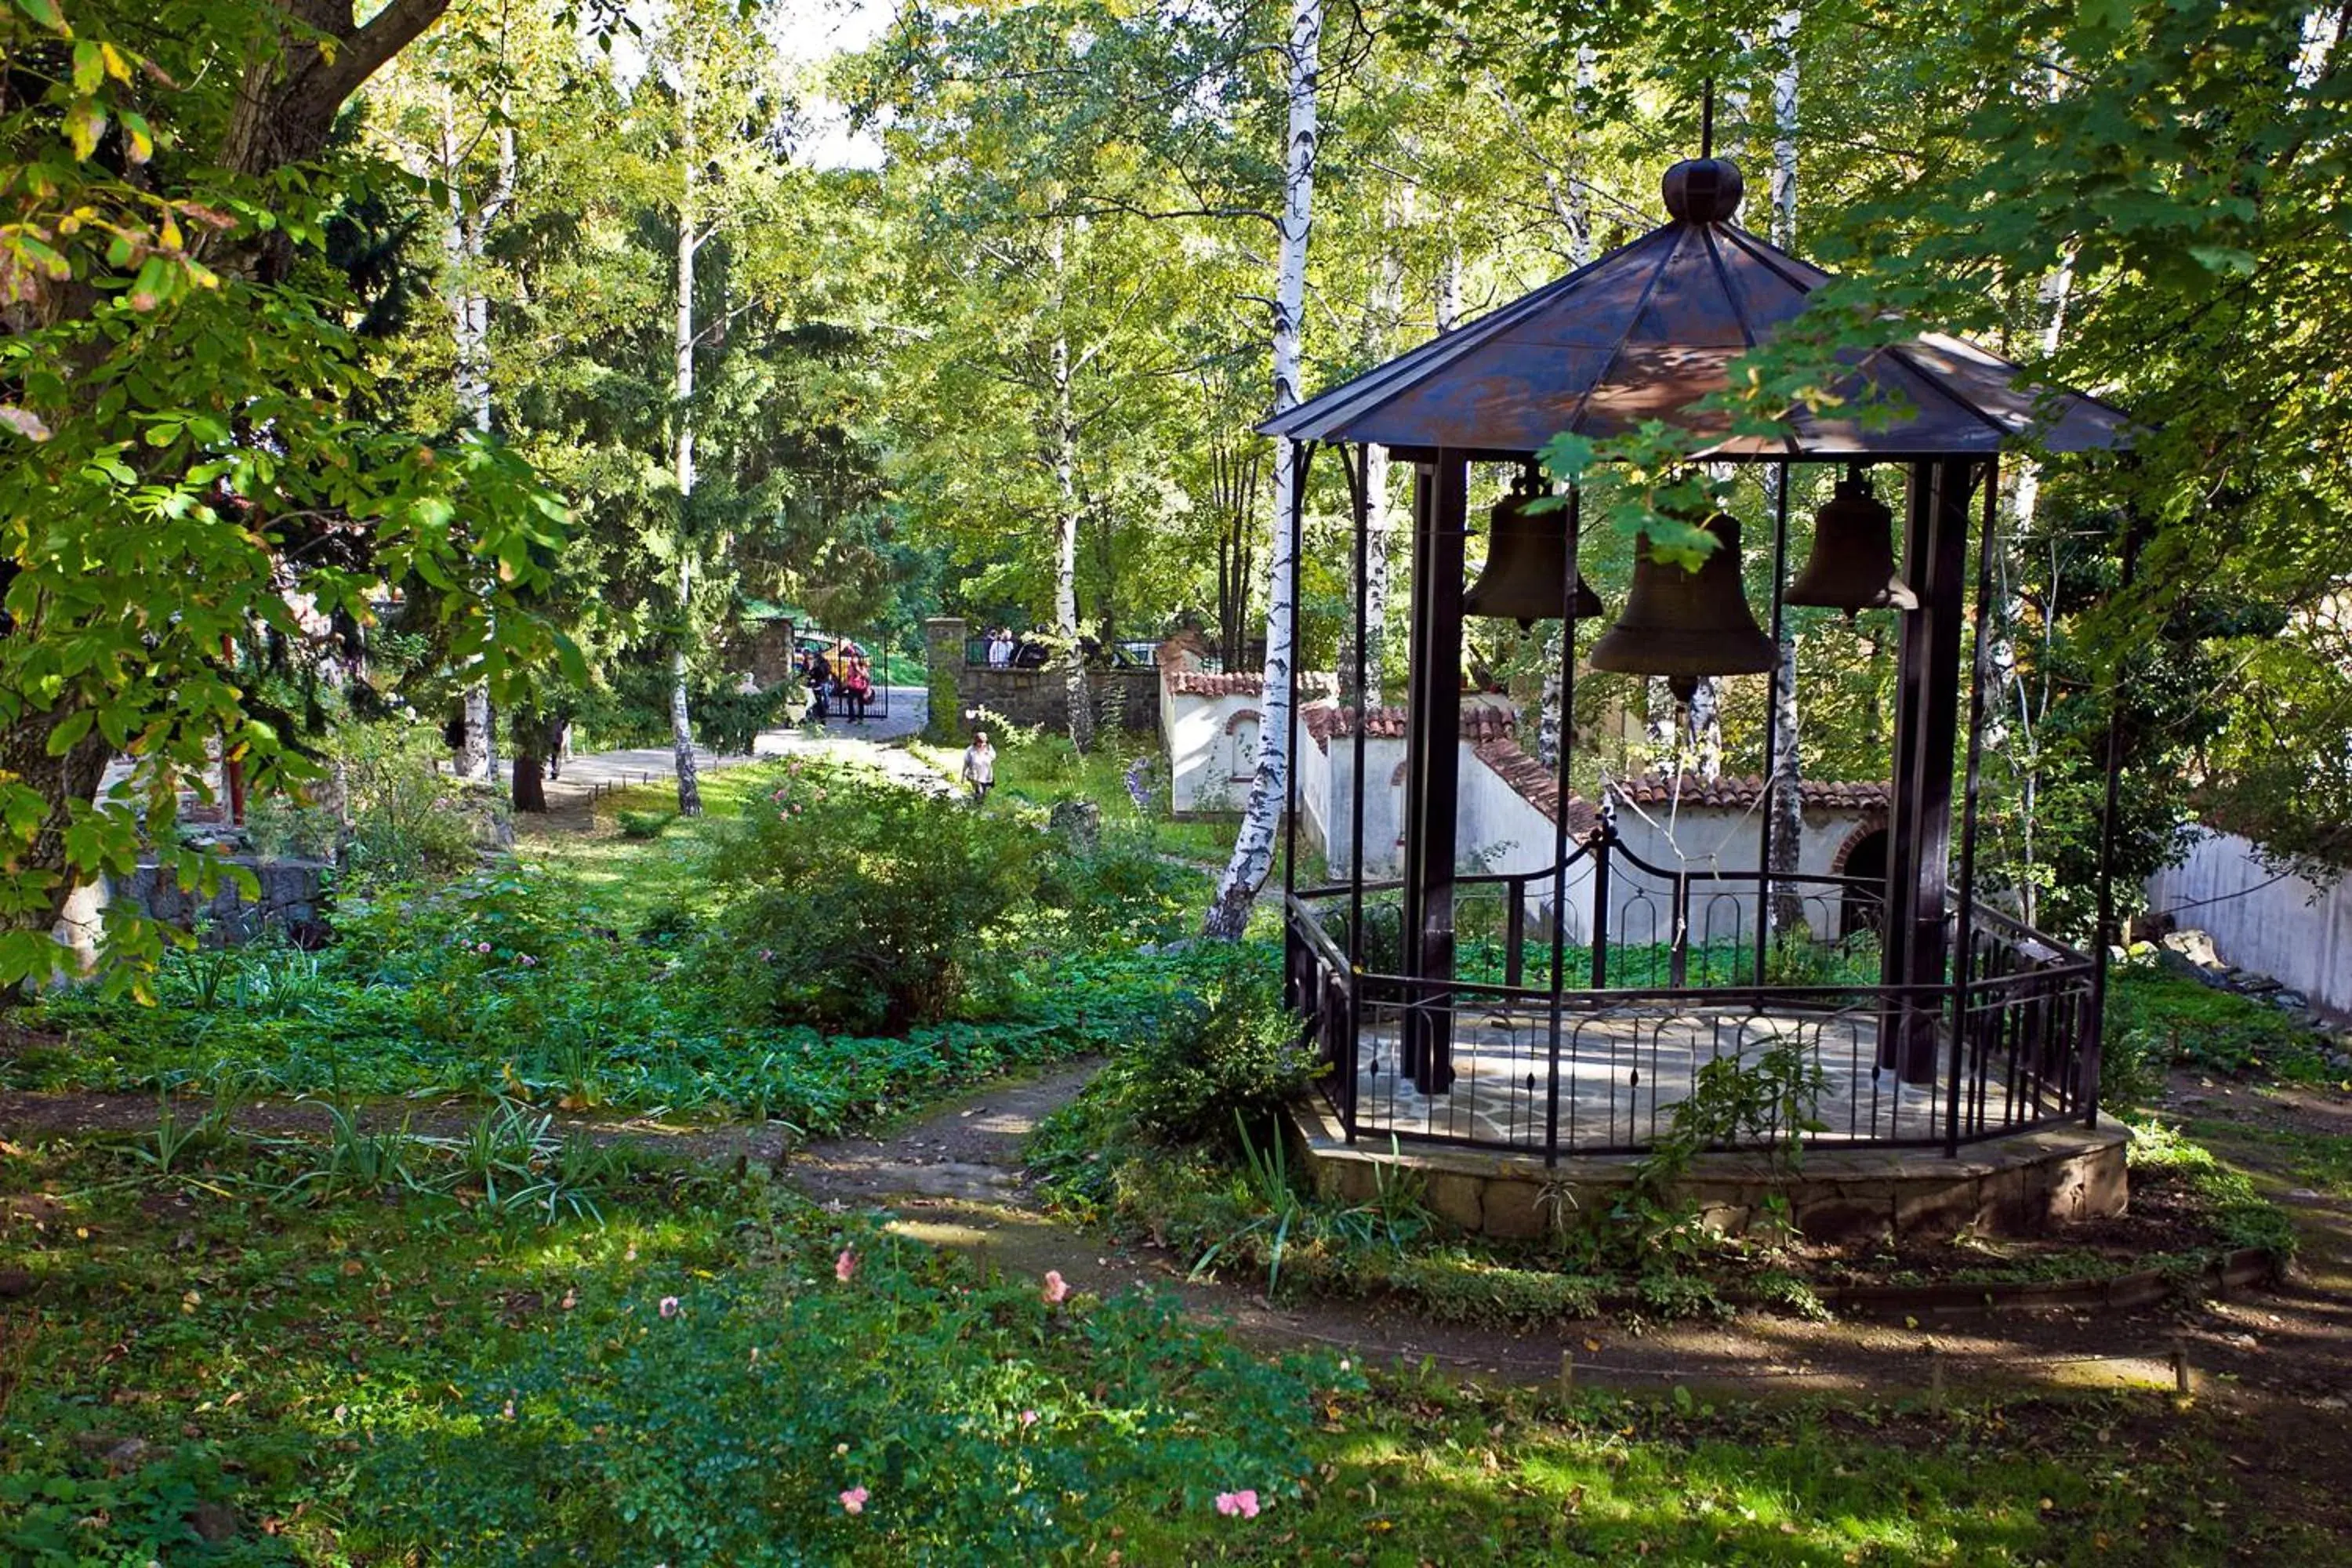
(1684,625)
(1527,562)
(1852,565)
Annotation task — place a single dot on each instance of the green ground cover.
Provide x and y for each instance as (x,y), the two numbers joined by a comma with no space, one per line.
(1128,784)
(828,960)
(386,1371)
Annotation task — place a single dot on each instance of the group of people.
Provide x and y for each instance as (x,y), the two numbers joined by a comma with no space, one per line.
(842,675)
(1008,650)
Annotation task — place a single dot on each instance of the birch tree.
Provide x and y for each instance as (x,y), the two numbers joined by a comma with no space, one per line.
(1787,783)
(713,168)
(1253,854)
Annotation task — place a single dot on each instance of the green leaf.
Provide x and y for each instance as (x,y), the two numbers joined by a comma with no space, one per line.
(46,14)
(71,729)
(89,67)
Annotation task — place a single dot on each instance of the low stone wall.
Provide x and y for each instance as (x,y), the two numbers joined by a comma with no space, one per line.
(2018,1185)
(1122,699)
(292,898)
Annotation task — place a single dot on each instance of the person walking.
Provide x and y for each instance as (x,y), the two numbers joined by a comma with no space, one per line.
(979,766)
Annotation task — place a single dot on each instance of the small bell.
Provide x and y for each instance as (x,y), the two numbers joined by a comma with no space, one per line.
(1852,565)
(1527,562)
(1683,624)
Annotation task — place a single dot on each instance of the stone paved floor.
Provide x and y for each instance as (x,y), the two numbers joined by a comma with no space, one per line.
(1620,1076)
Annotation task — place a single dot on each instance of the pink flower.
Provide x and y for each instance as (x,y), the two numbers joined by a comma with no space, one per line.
(481,947)
(853,1500)
(844,1265)
(767,955)
(529,961)
(1028,1418)
(1056,1288)
(669,1306)
(1243,1504)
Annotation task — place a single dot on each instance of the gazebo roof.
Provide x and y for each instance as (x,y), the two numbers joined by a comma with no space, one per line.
(1649,329)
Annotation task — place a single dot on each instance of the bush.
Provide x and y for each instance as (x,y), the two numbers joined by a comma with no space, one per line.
(408,818)
(1230,1049)
(645,823)
(1120,893)
(868,906)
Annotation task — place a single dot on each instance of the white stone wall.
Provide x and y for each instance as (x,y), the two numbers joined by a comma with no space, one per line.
(2298,934)
(1330,777)
(1713,837)
(1500,831)
(1204,760)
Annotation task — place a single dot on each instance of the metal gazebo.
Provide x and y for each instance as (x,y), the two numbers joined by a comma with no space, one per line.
(1972,1027)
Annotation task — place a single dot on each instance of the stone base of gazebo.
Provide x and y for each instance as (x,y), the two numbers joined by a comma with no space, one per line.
(2020,1185)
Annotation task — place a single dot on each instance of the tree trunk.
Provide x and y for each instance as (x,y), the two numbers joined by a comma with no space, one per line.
(1253,856)
(1382,312)
(288,95)
(1788,782)
(472,757)
(1707,730)
(1079,704)
(465,239)
(1662,725)
(65,783)
(681,725)
(529,773)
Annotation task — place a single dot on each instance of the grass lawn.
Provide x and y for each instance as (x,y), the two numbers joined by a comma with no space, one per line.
(336,1369)
(1033,771)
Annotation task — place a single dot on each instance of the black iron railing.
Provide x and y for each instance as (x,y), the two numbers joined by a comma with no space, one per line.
(1577,1024)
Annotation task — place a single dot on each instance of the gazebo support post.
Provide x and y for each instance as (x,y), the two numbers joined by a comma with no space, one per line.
(1926,720)
(1434,765)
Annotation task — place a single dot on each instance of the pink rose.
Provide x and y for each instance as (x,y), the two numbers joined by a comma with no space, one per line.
(853,1500)
(1056,1288)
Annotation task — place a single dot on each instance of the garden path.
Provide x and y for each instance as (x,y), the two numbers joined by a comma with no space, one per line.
(954,1177)
(2277,1363)
(594,772)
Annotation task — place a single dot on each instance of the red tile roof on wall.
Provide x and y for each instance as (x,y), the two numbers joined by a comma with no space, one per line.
(1185,681)
(1741,794)
(1480,721)
(1534,783)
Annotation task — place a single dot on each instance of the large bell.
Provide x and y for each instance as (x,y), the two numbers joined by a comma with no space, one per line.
(1852,565)
(1685,624)
(1526,564)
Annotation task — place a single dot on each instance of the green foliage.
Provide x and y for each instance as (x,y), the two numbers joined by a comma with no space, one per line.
(644,824)
(1232,1050)
(869,906)
(2157,1020)
(2242,1214)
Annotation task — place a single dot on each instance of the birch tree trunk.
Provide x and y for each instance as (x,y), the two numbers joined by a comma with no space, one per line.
(465,243)
(2012,697)
(1575,209)
(681,725)
(1253,854)
(1788,781)
(1065,518)
(1380,326)
(1707,730)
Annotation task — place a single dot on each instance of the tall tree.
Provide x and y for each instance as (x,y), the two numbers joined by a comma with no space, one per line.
(1253,854)
(191,436)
